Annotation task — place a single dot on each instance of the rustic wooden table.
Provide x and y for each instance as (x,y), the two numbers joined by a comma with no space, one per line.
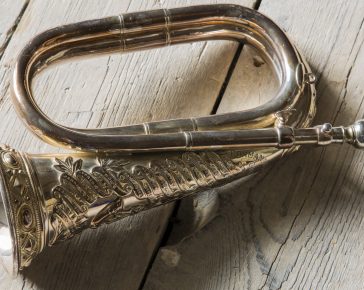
(297,225)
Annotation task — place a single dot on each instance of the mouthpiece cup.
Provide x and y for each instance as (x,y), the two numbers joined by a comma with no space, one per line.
(355,134)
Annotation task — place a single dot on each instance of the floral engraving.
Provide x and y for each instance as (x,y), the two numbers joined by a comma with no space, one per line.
(114,181)
(24,205)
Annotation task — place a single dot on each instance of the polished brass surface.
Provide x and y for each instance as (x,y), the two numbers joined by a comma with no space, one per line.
(121,171)
(158,28)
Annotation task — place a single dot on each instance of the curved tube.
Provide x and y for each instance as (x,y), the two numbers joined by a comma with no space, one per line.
(144,30)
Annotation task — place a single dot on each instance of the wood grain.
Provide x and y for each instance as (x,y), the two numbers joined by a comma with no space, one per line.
(300,224)
(12,11)
(108,91)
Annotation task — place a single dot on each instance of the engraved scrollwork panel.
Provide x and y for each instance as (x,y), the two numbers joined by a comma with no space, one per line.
(117,188)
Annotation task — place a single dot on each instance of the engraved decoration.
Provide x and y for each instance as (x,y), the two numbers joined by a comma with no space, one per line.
(24,205)
(126,188)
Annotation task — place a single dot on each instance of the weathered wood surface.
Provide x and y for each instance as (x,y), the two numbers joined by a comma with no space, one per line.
(108,91)
(11,13)
(299,225)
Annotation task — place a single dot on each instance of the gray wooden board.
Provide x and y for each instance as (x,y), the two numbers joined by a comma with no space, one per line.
(298,225)
(99,92)
(11,13)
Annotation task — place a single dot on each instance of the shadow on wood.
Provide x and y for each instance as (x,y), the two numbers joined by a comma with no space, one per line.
(266,228)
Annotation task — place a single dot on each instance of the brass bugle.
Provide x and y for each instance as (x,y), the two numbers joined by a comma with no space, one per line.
(120,171)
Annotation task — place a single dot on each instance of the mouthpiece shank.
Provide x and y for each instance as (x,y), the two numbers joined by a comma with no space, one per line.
(324,135)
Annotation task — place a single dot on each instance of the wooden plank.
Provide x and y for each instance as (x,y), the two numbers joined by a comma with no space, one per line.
(300,224)
(12,12)
(109,91)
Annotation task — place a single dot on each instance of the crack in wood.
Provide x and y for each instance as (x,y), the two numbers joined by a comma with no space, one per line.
(11,31)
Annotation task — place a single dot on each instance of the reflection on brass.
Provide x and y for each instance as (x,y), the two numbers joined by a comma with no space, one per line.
(112,189)
(121,171)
